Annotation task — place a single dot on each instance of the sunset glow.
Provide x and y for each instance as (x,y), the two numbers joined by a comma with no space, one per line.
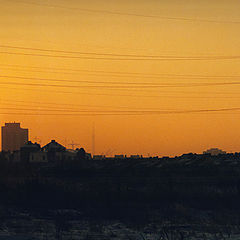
(150,77)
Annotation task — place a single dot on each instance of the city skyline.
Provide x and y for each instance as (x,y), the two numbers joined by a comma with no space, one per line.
(158,78)
(14,137)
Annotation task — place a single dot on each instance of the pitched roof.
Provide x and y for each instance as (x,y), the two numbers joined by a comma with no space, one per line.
(54,146)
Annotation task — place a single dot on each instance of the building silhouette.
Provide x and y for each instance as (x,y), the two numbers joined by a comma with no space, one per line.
(214,151)
(27,149)
(13,137)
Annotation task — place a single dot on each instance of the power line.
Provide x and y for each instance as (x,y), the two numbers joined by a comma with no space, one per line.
(128,14)
(130,95)
(109,113)
(111,85)
(120,74)
(72,111)
(86,53)
(94,87)
(83,111)
(114,54)
(126,73)
(53,105)
(82,93)
(111,54)
(170,58)
(152,84)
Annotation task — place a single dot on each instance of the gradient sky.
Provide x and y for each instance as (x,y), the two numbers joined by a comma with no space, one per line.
(147,100)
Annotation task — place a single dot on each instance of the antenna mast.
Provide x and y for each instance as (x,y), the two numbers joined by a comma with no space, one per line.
(93,139)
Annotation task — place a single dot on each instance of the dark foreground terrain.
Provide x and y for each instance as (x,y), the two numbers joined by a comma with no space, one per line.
(189,197)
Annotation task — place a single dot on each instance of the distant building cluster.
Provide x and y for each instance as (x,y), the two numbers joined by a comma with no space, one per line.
(17,147)
(117,157)
(214,151)
(16,144)
(51,152)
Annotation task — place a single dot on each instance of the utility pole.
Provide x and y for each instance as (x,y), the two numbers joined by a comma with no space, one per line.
(93,139)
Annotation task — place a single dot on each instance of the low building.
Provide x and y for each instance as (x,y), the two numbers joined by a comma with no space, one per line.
(54,151)
(53,146)
(38,157)
(136,156)
(51,152)
(28,149)
(16,156)
(5,156)
(99,157)
(120,156)
(88,156)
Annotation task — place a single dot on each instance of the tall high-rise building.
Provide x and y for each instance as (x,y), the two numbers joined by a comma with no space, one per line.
(13,137)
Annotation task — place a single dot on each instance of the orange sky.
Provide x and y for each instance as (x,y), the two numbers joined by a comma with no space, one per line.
(123,93)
